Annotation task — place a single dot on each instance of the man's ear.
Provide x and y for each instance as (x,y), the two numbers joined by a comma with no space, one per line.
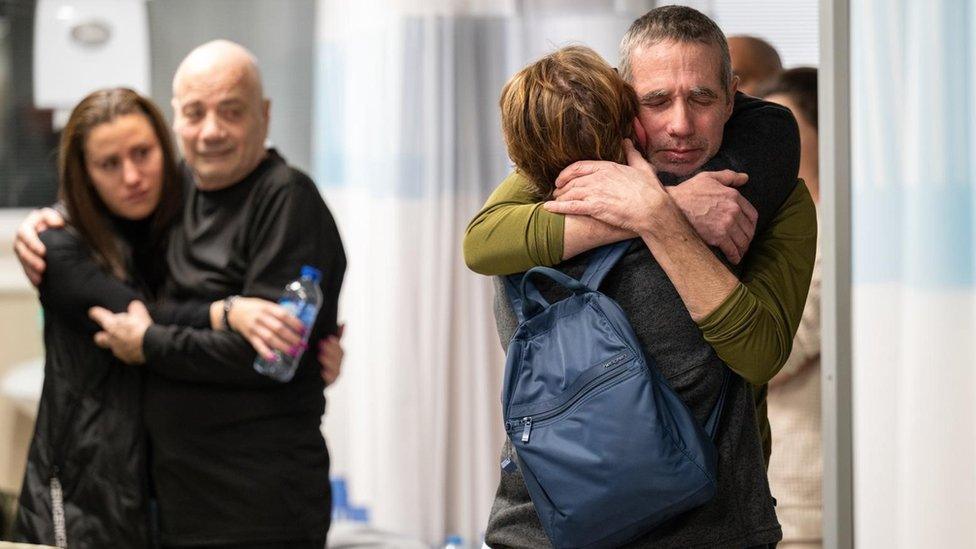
(732,89)
(640,134)
(266,110)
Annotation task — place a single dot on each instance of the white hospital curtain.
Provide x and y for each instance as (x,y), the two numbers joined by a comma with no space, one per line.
(914,166)
(406,148)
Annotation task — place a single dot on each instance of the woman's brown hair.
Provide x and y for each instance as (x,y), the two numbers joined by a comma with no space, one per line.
(570,105)
(86,211)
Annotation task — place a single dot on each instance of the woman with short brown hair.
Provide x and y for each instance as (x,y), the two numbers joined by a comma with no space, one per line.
(568,106)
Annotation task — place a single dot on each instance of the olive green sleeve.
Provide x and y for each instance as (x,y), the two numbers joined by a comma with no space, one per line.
(513,232)
(752,330)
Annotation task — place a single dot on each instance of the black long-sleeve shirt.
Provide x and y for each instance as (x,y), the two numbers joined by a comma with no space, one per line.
(237,456)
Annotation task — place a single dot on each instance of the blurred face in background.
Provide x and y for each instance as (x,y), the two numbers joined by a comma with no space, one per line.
(683,103)
(221,121)
(124,160)
(754,61)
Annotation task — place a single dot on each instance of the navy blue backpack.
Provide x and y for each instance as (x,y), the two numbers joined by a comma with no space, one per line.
(607,449)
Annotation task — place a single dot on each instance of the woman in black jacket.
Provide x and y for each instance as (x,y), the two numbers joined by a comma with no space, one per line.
(86,483)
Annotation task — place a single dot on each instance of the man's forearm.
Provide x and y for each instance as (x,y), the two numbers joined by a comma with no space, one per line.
(702,281)
(582,233)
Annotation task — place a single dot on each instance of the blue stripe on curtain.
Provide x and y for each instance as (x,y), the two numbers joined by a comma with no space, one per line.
(914,136)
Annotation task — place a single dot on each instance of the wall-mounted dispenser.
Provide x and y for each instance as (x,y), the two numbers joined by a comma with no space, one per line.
(84,45)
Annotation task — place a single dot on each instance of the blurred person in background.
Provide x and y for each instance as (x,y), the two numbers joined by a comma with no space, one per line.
(754,61)
(86,480)
(796,465)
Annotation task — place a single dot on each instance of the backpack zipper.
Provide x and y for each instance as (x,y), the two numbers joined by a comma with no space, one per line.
(606,377)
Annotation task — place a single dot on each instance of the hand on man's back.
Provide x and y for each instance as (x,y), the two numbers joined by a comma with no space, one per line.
(28,246)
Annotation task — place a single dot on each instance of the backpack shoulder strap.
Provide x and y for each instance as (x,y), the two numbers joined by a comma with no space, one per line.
(526,298)
(514,293)
(602,260)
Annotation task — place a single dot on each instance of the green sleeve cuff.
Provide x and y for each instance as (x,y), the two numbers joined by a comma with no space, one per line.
(752,330)
(727,315)
(548,248)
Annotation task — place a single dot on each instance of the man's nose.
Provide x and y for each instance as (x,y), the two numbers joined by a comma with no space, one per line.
(212,129)
(680,124)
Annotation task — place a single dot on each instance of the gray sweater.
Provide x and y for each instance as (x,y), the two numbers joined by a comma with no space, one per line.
(742,512)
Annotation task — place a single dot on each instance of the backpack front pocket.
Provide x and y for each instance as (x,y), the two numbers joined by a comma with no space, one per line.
(578,448)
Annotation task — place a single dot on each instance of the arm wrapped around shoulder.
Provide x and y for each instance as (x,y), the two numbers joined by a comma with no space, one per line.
(752,331)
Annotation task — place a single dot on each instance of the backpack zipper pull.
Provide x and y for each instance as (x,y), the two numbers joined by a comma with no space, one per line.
(508,465)
(527,429)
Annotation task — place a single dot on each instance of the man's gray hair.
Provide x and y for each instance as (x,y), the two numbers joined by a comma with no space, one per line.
(678,24)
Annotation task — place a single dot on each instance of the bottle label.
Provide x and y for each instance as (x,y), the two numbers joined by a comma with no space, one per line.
(283,367)
(303,311)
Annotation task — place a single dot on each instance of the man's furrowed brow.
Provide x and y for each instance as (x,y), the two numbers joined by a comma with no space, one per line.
(654,95)
(701,91)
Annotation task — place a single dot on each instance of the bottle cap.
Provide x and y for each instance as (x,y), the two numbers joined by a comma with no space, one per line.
(311,272)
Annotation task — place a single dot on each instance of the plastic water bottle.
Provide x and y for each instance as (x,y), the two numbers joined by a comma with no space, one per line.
(302,298)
